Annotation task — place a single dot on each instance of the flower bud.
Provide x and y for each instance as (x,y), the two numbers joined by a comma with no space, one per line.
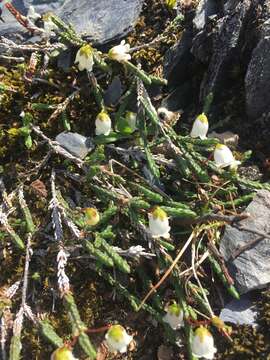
(91,216)
(63,353)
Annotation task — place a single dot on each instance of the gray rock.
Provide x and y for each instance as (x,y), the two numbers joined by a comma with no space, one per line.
(205,9)
(251,269)
(101,21)
(113,93)
(226,48)
(257,81)
(240,312)
(76,144)
(11,25)
(178,60)
(180,98)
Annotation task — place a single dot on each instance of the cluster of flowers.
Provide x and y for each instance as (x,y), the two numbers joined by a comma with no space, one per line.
(202,345)
(85,61)
(223,156)
(118,340)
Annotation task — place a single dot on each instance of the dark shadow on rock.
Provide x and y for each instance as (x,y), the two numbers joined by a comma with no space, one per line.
(230,40)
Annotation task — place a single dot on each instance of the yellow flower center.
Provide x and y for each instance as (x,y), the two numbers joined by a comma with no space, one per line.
(174,309)
(130,115)
(171,3)
(103,116)
(160,214)
(86,51)
(203,118)
(220,146)
(116,332)
(47,16)
(92,216)
(202,332)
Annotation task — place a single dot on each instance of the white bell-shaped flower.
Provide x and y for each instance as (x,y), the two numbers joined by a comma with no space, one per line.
(120,52)
(49,25)
(118,339)
(200,127)
(131,118)
(174,316)
(62,353)
(32,14)
(203,344)
(159,223)
(84,58)
(223,157)
(103,124)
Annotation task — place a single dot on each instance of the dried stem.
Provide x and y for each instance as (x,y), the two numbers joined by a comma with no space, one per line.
(193,255)
(168,272)
(57,148)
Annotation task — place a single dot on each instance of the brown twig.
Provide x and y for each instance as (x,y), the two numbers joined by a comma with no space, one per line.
(229,219)
(62,107)
(23,20)
(167,273)
(11,46)
(57,148)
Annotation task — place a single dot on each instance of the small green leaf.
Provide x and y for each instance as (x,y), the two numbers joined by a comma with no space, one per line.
(28,142)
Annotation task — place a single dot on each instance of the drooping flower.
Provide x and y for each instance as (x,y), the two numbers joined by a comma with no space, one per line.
(159,223)
(223,157)
(49,25)
(200,127)
(131,118)
(120,52)
(84,58)
(203,344)
(63,353)
(174,316)
(118,339)
(103,123)
(32,14)
(91,216)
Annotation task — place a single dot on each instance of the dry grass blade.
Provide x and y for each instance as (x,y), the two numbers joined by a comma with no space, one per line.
(168,272)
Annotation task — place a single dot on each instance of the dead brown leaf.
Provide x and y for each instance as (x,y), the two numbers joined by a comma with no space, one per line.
(39,188)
